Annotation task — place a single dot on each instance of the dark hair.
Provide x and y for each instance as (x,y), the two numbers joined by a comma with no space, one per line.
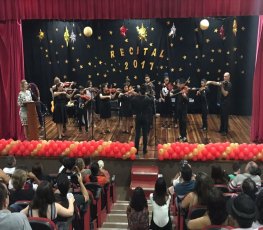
(94,168)
(249,187)
(138,200)
(44,196)
(252,168)
(58,85)
(81,87)
(143,89)
(10,161)
(37,169)
(69,163)
(63,184)
(203,80)
(236,166)
(218,175)
(203,183)
(160,191)
(216,206)
(3,195)
(259,204)
(87,161)
(186,172)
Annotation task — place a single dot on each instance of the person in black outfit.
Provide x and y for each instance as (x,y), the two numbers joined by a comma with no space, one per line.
(150,92)
(142,106)
(182,102)
(203,92)
(225,103)
(175,93)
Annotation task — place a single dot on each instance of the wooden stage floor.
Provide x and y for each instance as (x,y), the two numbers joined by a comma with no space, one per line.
(239,131)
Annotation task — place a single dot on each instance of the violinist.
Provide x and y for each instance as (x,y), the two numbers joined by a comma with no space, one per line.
(176,92)
(203,92)
(149,86)
(165,101)
(105,107)
(82,108)
(225,103)
(182,102)
(125,108)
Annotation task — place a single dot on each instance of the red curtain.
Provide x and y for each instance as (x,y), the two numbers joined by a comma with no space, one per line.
(125,9)
(257,102)
(11,73)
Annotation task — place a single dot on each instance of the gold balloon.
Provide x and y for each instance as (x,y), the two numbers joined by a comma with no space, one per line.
(133,150)
(204,24)
(87,31)
(161,151)
(190,156)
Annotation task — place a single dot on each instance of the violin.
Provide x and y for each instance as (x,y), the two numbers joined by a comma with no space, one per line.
(113,90)
(85,97)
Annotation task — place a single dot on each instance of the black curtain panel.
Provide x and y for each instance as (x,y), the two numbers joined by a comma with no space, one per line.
(111,56)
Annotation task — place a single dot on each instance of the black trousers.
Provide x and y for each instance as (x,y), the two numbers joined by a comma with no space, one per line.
(83,113)
(224,117)
(141,124)
(39,114)
(182,115)
(204,114)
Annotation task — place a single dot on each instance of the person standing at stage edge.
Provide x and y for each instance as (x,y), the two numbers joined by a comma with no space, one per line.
(225,93)
(142,106)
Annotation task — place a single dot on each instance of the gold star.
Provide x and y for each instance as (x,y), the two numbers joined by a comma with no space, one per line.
(100,62)
(46,55)
(89,76)
(73,69)
(62,46)
(41,47)
(105,63)
(212,60)
(51,41)
(196,57)
(151,44)
(241,56)
(207,40)
(80,34)
(215,30)
(107,71)
(181,38)
(111,46)
(88,46)
(207,73)
(99,37)
(56,52)
(243,71)
(203,56)
(95,66)
(219,70)
(180,69)
(190,64)
(152,29)
(198,70)
(126,40)
(97,74)
(167,59)
(49,62)
(58,62)
(113,70)
(227,52)
(105,75)
(77,60)
(57,29)
(110,32)
(235,49)
(66,61)
(235,62)
(184,57)
(96,58)
(212,50)
(46,50)
(243,28)
(89,63)
(172,69)
(161,67)
(196,46)
(227,64)
(168,23)
(224,38)
(219,51)
(196,29)
(73,48)
(120,71)
(171,44)
(81,66)
(135,77)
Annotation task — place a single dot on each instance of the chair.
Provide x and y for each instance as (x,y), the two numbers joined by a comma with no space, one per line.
(38,223)
(217,227)
(196,212)
(222,187)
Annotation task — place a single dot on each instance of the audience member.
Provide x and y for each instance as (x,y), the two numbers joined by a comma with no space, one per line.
(137,211)
(8,220)
(251,171)
(243,211)
(19,192)
(160,201)
(216,211)
(96,175)
(236,170)
(4,177)
(44,205)
(61,160)
(37,170)
(218,175)
(103,171)
(80,164)
(259,218)
(10,165)
(203,183)
(249,187)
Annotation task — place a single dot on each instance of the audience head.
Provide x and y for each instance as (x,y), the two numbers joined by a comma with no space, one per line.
(87,161)
(19,178)
(101,164)
(94,168)
(23,85)
(251,168)
(216,206)
(217,174)
(138,200)
(69,163)
(249,187)
(160,191)
(63,184)
(243,210)
(80,163)
(4,198)
(236,167)
(186,172)
(203,183)
(10,161)
(37,169)
(259,204)
(44,196)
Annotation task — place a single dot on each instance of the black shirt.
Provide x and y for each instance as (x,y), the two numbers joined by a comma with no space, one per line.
(21,194)
(142,106)
(227,87)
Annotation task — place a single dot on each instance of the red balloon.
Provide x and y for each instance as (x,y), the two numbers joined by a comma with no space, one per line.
(160,157)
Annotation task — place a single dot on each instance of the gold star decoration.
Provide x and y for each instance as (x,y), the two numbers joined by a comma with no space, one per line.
(219,70)
(105,75)
(88,46)
(243,71)
(168,23)
(41,35)
(135,77)
(100,62)
(51,41)
(46,50)
(181,38)
(113,70)
(227,52)
(207,40)
(73,69)
(184,57)
(227,64)
(180,69)
(89,63)
(73,48)
(152,29)
(196,57)
(56,29)
(171,44)
(151,44)
(196,46)
(161,67)
(110,32)
(77,60)
(99,37)
(203,56)
(142,33)
(111,46)
(235,49)
(212,50)
(215,30)
(196,29)
(172,69)
(81,66)
(219,51)
(126,40)
(243,28)
(198,70)
(62,46)
(66,61)
(207,73)
(212,60)
(66,36)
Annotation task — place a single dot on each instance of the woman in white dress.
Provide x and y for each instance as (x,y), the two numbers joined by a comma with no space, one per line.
(23,97)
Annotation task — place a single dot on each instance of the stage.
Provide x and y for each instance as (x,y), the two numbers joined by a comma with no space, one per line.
(239,132)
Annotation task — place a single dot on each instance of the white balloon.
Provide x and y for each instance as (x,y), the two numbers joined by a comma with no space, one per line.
(204,24)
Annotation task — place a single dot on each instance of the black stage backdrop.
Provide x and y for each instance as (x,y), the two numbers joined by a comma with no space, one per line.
(109,56)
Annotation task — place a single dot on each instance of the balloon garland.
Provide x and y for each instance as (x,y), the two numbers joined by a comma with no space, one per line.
(68,148)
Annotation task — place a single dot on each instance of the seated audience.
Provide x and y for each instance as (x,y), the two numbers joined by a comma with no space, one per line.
(8,220)
(160,201)
(218,175)
(236,170)
(80,164)
(216,211)
(259,218)
(103,171)
(61,160)
(10,165)
(203,183)
(137,211)
(249,187)
(242,210)
(96,175)
(37,170)
(44,205)
(251,171)
(19,191)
